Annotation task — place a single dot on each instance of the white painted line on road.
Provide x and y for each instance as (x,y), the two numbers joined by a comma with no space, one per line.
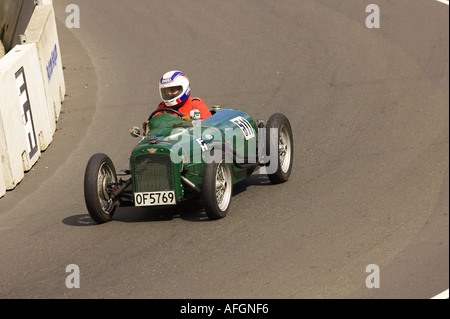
(443,1)
(442,295)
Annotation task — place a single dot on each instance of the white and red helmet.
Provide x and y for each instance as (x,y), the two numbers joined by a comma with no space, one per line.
(174,88)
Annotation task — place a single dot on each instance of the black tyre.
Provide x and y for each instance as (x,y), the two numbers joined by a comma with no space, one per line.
(217,189)
(99,179)
(285,147)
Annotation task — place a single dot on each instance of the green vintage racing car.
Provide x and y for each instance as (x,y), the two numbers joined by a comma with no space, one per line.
(180,158)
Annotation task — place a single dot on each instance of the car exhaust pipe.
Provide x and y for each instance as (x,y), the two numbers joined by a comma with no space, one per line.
(190,184)
(118,191)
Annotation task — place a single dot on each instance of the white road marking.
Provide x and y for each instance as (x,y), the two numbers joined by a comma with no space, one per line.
(442,295)
(443,1)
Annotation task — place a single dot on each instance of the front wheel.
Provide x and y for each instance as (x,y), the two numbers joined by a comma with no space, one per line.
(217,189)
(99,180)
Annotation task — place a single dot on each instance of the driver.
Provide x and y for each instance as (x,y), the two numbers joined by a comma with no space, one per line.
(175,92)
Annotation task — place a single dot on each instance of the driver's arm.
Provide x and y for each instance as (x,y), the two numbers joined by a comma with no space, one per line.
(201,106)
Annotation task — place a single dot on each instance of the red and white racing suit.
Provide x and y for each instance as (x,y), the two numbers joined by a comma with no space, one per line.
(187,106)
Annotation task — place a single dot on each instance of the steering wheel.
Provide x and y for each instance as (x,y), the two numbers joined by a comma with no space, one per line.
(165,109)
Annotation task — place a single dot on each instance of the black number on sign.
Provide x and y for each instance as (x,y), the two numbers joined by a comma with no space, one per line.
(27,116)
(153,200)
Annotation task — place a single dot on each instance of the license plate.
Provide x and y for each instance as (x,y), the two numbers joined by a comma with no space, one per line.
(154,198)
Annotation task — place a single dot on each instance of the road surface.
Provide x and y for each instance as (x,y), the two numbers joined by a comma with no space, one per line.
(370,114)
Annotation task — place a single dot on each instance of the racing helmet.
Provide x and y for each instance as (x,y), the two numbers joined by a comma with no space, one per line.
(174,88)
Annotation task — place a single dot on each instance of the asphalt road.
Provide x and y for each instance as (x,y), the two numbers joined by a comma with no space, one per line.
(370,185)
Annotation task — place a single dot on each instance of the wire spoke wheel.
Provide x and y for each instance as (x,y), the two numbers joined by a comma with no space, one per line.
(223,186)
(106,177)
(217,189)
(99,181)
(285,149)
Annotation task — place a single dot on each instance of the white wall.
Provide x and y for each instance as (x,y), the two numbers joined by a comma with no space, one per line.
(2,50)
(2,179)
(32,89)
(23,113)
(42,31)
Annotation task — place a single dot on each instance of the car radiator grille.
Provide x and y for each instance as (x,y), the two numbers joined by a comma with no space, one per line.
(153,173)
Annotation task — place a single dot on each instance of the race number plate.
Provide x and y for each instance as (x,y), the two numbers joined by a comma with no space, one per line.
(154,198)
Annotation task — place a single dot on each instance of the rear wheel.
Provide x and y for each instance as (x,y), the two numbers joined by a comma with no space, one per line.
(99,181)
(217,189)
(285,147)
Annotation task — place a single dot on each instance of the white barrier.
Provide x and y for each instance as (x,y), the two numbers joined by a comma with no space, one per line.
(2,179)
(42,31)
(2,50)
(23,113)
(32,89)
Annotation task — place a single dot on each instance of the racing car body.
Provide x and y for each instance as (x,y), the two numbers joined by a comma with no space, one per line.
(180,158)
